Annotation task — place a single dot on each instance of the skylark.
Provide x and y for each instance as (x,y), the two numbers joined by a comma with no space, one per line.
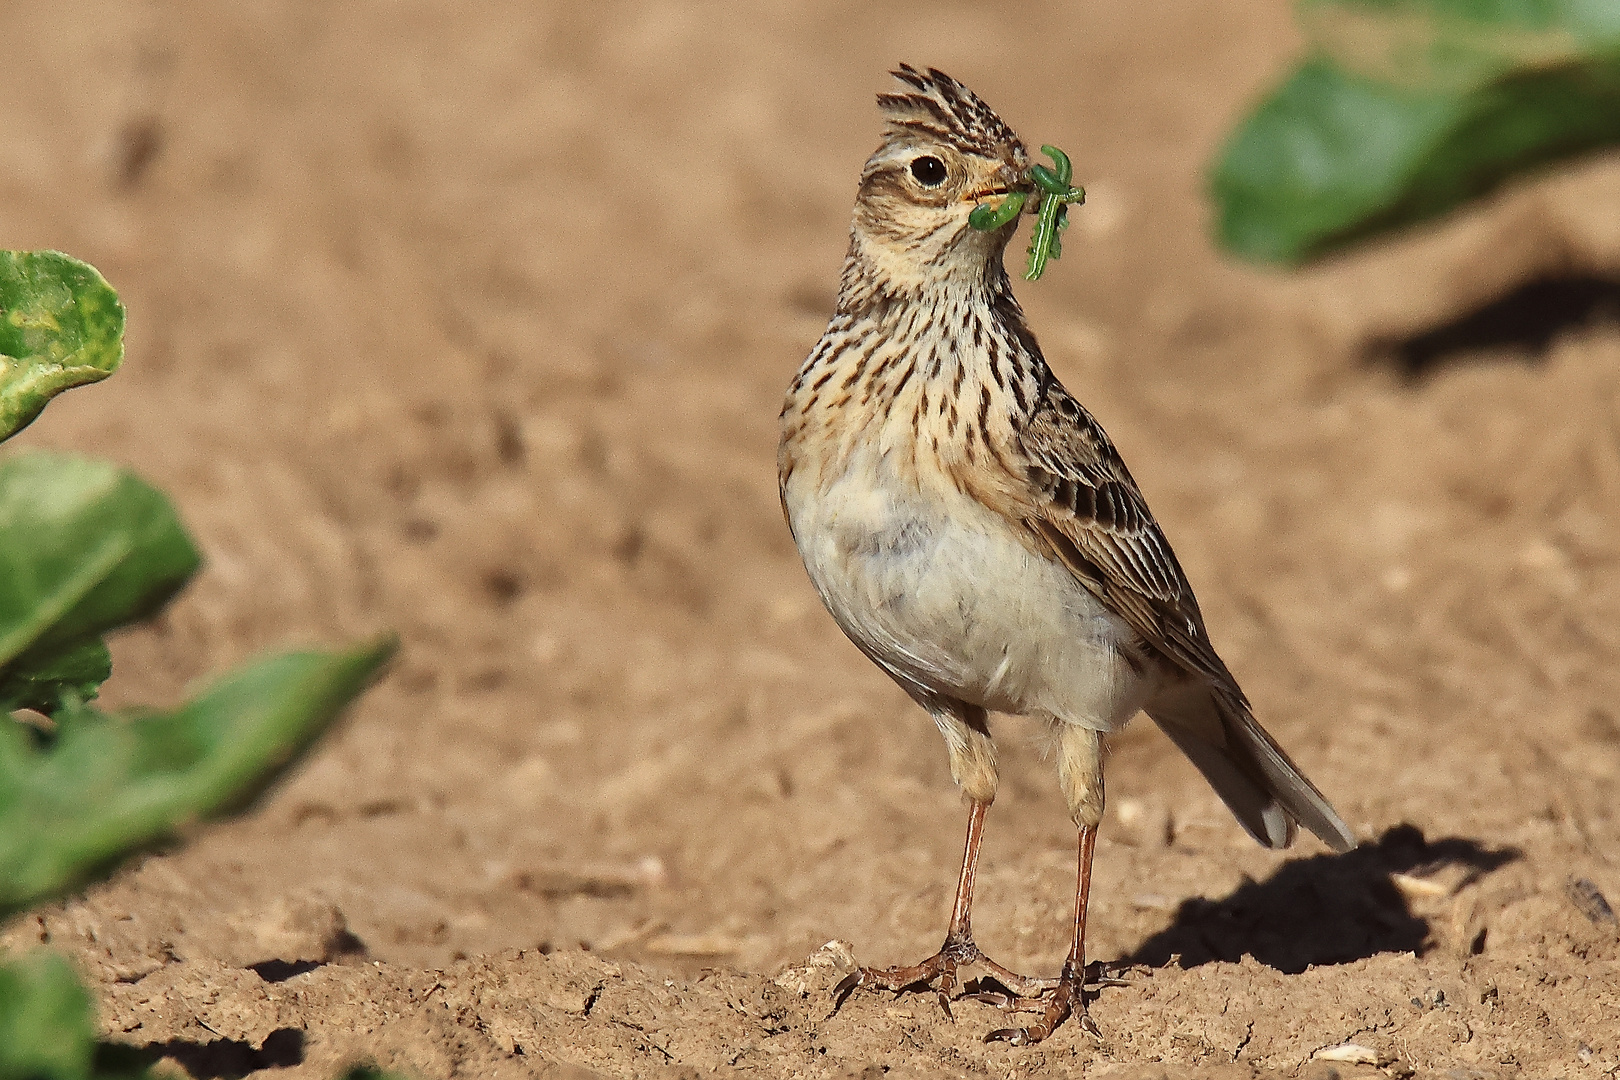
(975,533)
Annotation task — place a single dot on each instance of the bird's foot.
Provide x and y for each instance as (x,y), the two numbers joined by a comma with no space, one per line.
(939,974)
(1066,998)
(1098,975)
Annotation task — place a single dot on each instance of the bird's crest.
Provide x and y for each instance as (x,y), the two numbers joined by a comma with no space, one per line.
(934,103)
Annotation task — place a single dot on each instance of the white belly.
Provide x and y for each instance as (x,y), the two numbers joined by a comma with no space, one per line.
(939,591)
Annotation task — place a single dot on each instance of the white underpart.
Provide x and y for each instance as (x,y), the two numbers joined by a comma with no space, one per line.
(936,588)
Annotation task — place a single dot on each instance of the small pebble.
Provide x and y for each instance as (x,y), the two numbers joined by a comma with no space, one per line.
(1349,1054)
(1591,902)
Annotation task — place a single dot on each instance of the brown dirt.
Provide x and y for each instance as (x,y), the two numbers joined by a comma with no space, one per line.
(472,321)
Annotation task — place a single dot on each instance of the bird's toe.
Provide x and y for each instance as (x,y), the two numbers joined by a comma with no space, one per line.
(1055,1005)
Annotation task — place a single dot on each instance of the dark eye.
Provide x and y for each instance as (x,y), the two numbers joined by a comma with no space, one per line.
(929,170)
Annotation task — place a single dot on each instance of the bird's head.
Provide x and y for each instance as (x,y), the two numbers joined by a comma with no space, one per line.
(944,153)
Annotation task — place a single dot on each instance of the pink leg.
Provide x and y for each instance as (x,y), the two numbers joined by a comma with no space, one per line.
(1068,996)
(940,970)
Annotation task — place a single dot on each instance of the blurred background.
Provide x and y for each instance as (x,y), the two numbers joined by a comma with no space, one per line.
(472,321)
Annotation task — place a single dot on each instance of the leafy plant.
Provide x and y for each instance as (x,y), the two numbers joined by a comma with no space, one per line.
(47,1029)
(61,326)
(1406,109)
(75,801)
(86,547)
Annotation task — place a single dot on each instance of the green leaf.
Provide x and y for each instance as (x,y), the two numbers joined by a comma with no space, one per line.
(47,1026)
(84,547)
(57,680)
(371,1071)
(1410,108)
(106,785)
(61,326)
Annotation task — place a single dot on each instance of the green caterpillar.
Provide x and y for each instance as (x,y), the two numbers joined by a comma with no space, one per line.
(1045,242)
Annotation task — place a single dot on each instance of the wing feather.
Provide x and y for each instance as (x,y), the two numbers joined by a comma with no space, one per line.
(1081,503)
(1085,507)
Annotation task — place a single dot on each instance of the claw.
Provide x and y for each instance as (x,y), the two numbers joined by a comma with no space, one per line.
(939,974)
(1065,999)
(1107,975)
(1006,990)
(994,993)
(1011,1003)
(1000,1000)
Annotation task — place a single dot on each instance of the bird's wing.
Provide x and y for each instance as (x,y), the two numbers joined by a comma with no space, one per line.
(1086,509)
(1080,502)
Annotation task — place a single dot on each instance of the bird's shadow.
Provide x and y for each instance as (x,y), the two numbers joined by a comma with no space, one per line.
(1523,320)
(1328,909)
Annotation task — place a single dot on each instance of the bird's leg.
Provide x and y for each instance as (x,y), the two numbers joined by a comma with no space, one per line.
(1080,774)
(939,970)
(1068,996)
(973,766)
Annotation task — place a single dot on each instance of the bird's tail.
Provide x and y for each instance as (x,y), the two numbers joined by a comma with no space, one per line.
(1245,766)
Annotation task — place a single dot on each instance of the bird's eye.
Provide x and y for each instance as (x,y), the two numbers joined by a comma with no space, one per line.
(929,170)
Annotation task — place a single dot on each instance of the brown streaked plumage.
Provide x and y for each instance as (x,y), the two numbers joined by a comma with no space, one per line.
(973,530)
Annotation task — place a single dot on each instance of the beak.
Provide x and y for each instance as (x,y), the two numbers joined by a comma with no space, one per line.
(1006,180)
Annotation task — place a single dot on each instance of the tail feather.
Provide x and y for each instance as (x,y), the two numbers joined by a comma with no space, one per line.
(1251,773)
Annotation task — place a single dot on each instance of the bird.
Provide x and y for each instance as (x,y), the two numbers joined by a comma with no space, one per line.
(972,529)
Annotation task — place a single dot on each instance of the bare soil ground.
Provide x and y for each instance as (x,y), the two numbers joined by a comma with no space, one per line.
(473,320)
